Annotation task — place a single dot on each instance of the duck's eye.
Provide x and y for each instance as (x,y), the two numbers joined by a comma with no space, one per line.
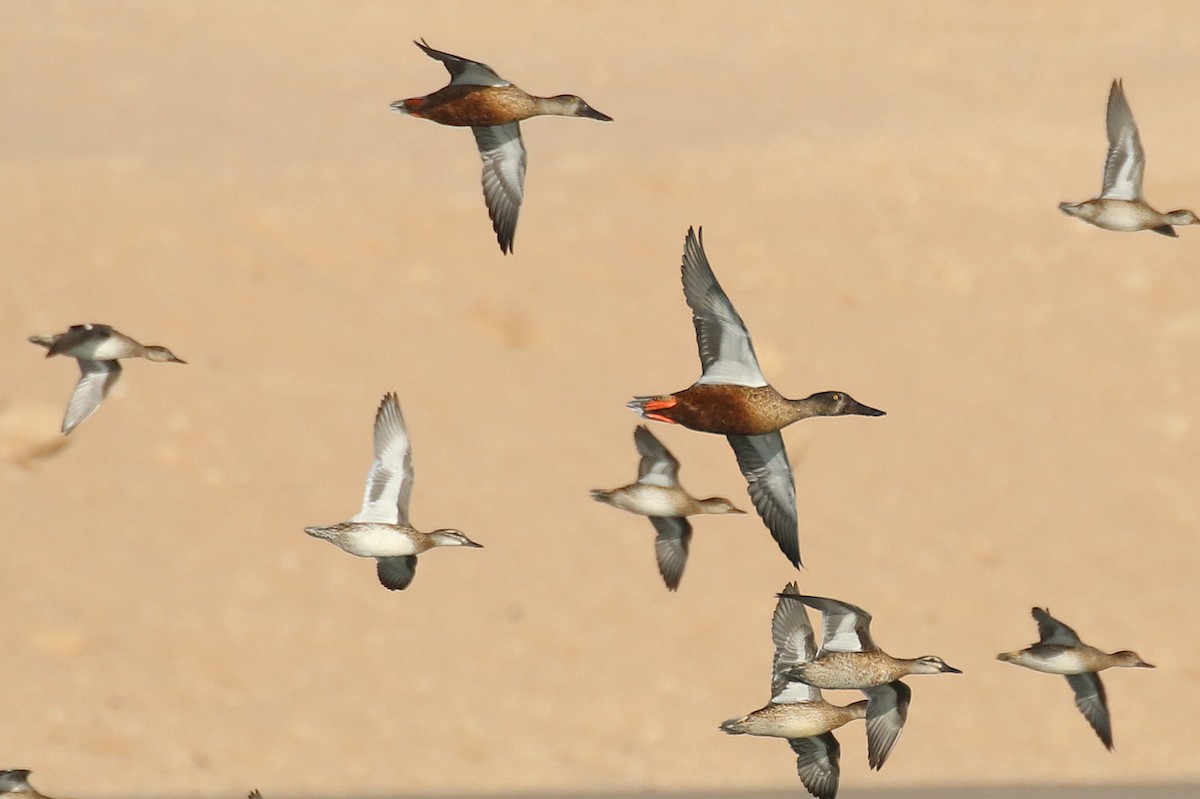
(837,397)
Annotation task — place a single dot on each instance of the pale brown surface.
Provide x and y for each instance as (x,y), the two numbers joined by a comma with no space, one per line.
(877,183)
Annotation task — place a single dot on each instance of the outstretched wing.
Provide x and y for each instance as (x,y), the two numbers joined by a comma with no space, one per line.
(764,464)
(726,353)
(1126,160)
(464,71)
(389,483)
(503,155)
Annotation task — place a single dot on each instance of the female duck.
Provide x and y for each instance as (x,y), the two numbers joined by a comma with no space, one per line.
(1120,205)
(658,495)
(97,349)
(1059,651)
(796,711)
(381,529)
(850,658)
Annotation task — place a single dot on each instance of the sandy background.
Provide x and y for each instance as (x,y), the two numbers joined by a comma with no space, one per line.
(877,184)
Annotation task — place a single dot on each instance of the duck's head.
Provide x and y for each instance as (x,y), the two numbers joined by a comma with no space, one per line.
(932,664)
(452,538)
(570,105)
(1181,217)
(1130,659)
(719,505)
(839,403)
(161,354)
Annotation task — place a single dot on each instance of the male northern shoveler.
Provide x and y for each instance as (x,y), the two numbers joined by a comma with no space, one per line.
(97,348)
(849,658)
(732,398)
(658,494)
(381,529)
(796,711)
(1120,205)
(492,107)
(1061,652)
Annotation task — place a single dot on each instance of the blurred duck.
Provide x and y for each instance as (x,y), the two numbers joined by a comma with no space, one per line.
(1061,652)
(492,107)
(15,783)
(381,529)
(658,495)
(97,348)
(796,711)
(849,658)
(732,398)
(1120,205)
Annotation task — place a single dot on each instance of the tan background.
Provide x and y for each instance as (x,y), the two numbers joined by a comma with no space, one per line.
(877,183)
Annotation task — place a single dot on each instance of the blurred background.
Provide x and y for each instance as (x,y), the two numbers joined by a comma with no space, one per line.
(877,184)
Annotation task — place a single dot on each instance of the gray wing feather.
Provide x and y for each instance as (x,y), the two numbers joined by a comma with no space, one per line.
(503,155)
(726,352)
(764,463)
(887,710)
(396,573)
(657,466)
(846,627)
(671,547)
(817,764)
(1053,631)
(1126,160)
(96,378)
(390,481)
(792,635)
(1093,704)
(464,71)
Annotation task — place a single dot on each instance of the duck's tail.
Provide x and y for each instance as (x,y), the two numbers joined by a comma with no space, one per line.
(734,726)
(650,407)
(411,106)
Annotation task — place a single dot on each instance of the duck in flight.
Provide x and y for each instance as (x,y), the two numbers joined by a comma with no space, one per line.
(657,494)
(1059,651)
(1121,205)
(733,399)
(97,348)
(381,529)
(492,108)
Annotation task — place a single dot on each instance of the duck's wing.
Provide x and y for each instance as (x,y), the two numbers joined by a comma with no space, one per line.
(503,155)
(671,547)
(1093,704)
(95,380)
(1053,631)
(397,572)
(887,710)
(792,635)
(16,781)
(845,627)
(464,71)
(726,353)
(817,763)
(764,464)
(658,466)
(389,483)
(1126,160)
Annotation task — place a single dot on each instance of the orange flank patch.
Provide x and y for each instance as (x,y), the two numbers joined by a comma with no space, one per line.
(659,404)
